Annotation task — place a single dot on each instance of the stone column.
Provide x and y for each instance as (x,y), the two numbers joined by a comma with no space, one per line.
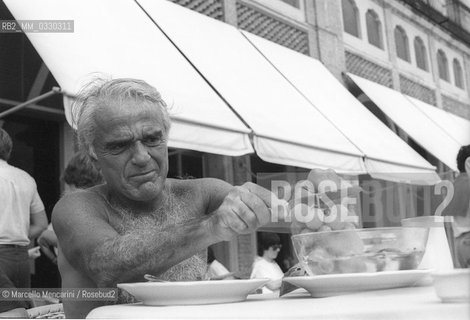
(326,35)
(246,244)
(390,40)
(230,11)
(311,19)
(433,68)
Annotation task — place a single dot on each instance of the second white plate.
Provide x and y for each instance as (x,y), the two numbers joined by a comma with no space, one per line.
(192,292)
(336,284)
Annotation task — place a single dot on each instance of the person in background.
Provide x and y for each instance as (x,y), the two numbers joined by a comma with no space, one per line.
(459,208)
(265,266)
(215,269)
(7,305)
(22,217)
(79,174)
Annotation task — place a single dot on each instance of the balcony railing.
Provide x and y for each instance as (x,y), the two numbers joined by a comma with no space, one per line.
(453,16)
(462,14)
(439,5)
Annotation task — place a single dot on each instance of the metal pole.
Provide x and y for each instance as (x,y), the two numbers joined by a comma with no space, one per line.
(54,91)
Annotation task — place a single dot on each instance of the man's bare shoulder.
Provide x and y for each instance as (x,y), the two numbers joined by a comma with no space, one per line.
(80,202)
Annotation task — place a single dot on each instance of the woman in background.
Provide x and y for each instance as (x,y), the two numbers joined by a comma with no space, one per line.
(265,266)
(215,269)
(79,174)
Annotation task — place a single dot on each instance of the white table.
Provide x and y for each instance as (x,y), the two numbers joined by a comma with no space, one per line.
(403,303)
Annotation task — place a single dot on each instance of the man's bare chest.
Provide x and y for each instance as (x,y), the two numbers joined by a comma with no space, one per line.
(177,210)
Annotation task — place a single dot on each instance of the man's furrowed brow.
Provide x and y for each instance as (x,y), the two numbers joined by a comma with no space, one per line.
(150,130)
(117,140)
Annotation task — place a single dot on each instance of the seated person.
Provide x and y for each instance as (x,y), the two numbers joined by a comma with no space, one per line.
(139,222)
(265,265)
(79,174)
(215,269)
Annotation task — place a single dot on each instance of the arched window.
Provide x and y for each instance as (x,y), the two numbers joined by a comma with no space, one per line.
(420,54)
(401,44)
(458,74)
(374,29)
(442,65)
(351,18)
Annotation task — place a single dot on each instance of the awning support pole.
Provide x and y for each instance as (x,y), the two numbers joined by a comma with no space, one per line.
(54,91)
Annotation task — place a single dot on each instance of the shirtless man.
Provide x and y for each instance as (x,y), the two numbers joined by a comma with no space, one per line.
(139,221)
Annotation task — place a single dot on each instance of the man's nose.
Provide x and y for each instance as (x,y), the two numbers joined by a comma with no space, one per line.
(141,156)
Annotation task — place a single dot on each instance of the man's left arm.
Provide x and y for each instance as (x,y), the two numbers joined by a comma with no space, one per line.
(37,224)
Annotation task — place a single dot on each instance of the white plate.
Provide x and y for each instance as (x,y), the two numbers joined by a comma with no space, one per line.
(192,292)
(336,284)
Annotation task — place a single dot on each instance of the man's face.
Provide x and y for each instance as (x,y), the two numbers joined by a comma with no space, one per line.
(131,149)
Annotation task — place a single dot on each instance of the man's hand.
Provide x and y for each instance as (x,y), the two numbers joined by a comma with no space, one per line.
(34,253)
(47,238)
(243,210)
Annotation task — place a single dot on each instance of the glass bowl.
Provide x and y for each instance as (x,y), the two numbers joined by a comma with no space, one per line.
(361,250)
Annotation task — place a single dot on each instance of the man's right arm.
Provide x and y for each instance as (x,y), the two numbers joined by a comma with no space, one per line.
(91,244)
(94,247)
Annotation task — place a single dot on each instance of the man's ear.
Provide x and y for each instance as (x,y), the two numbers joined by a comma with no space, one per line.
(467,165)
(93,157)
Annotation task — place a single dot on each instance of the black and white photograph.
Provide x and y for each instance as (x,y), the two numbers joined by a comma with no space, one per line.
(235,159)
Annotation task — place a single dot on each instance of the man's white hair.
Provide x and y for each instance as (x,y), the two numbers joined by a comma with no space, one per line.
(102,92)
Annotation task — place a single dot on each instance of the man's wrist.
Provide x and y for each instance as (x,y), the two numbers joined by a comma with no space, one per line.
(213,228)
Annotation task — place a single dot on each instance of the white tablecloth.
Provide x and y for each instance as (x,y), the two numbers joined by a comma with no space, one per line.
(403,303)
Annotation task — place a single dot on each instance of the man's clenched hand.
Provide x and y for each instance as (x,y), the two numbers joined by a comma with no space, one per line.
(243,210)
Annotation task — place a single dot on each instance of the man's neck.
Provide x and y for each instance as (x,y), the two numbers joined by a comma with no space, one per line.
(120,203)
